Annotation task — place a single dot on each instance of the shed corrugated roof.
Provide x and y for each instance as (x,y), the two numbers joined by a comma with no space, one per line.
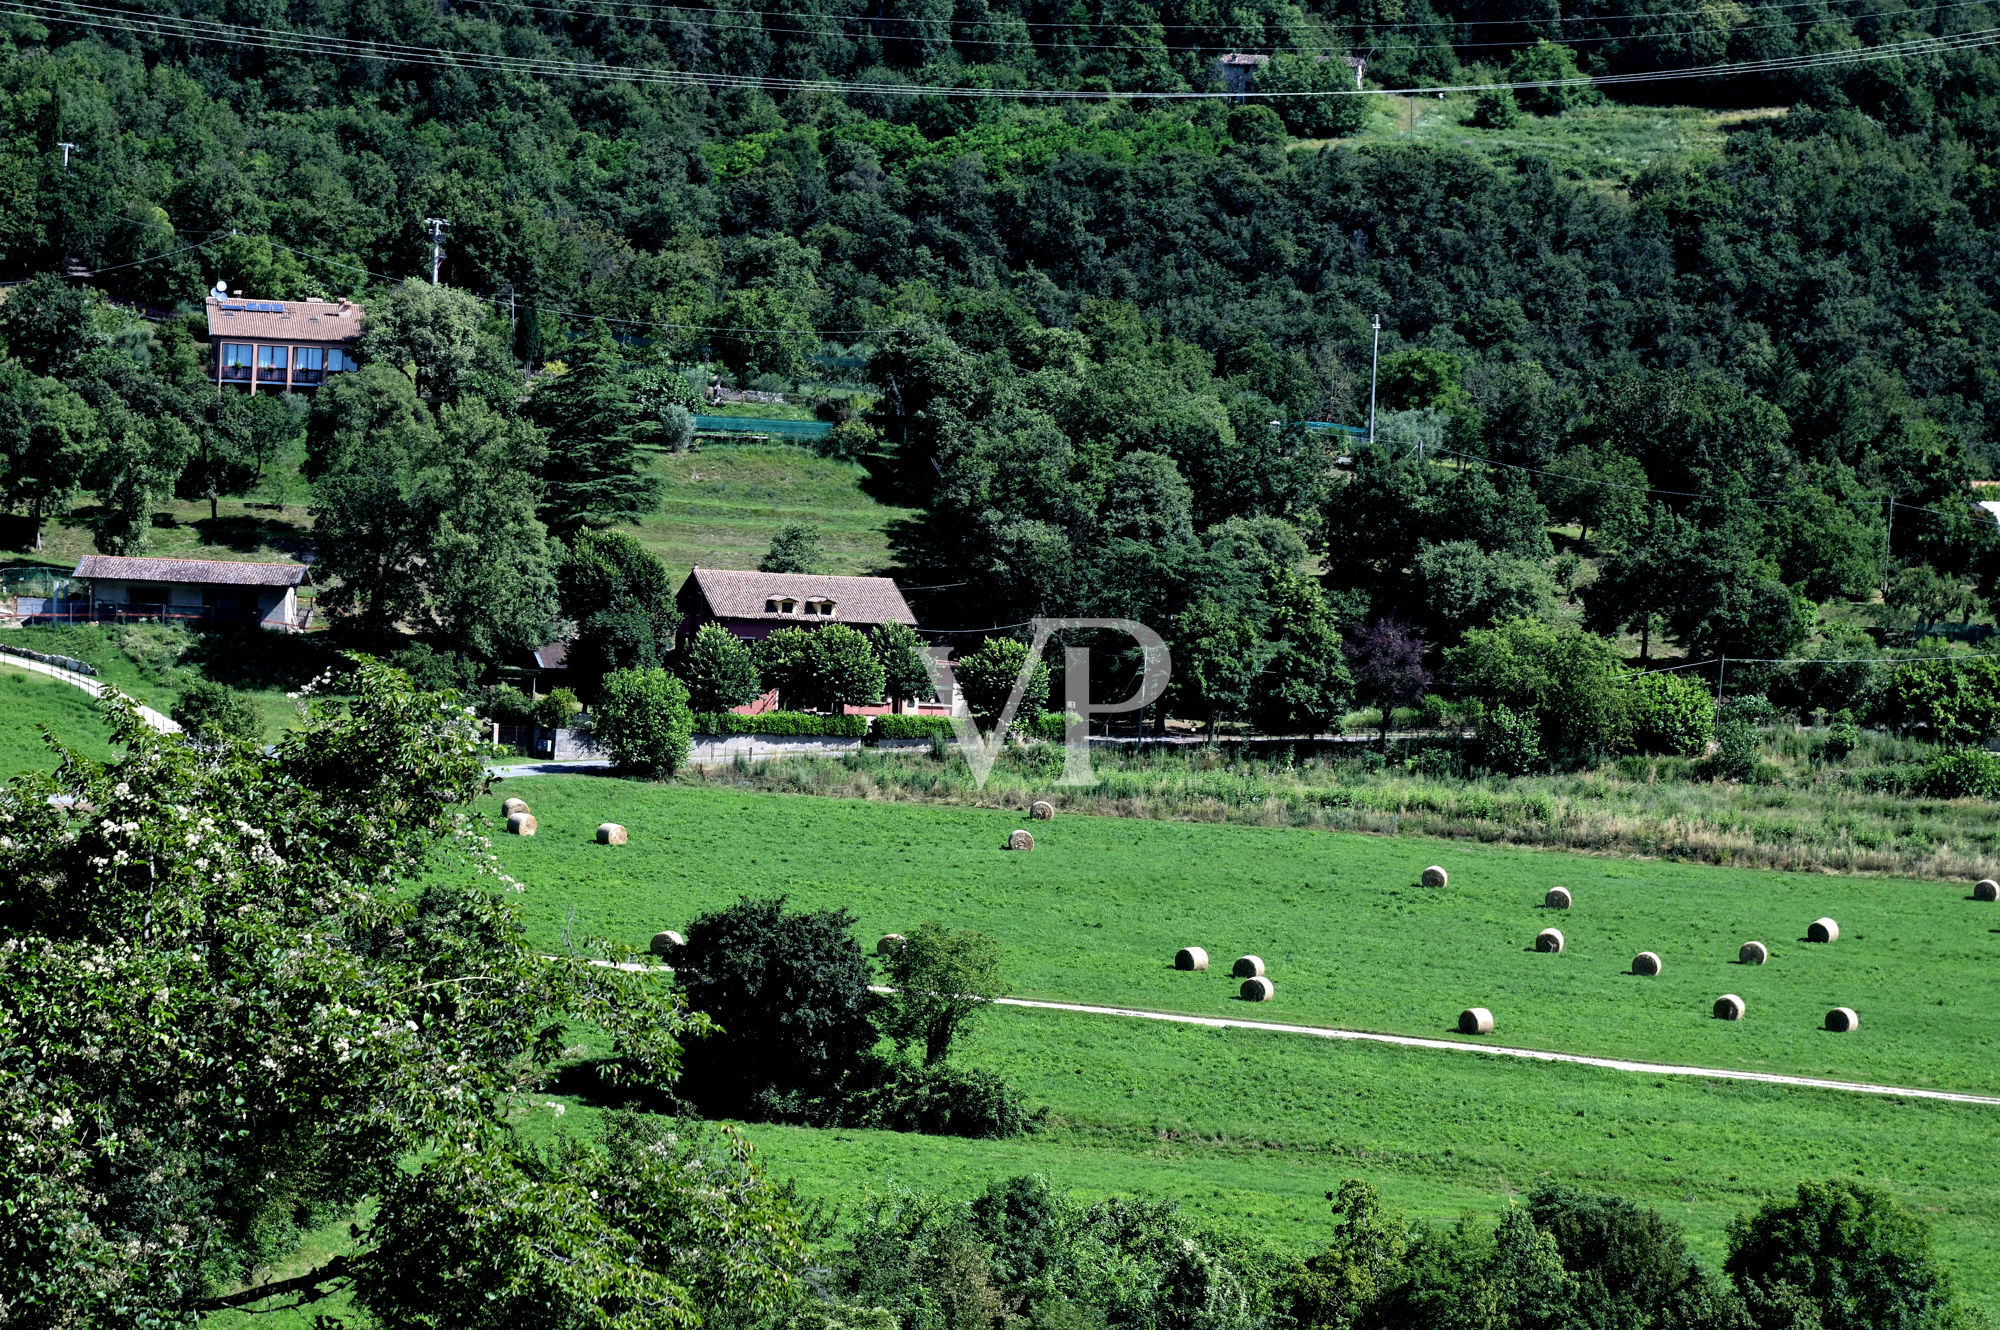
(205,572)
(284,320)
(742,595)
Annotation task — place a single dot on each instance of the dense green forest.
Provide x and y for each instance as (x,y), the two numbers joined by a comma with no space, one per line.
(1085,332)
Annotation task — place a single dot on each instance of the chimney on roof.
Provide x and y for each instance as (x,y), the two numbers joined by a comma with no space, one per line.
(238,293)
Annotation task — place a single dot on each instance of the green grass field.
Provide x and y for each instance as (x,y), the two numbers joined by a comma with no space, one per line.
(29,701)
(1249,1129)
(1608,144)
(723,505)
(1097,911)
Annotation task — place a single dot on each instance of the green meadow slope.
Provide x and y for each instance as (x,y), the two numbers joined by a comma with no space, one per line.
(1249,1129)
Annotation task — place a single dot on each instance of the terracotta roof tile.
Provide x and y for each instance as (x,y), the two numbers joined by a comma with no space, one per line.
(283,320)
(207,572)
(856,600)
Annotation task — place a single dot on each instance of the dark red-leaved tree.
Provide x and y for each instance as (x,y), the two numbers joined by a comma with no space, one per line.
(1387,660)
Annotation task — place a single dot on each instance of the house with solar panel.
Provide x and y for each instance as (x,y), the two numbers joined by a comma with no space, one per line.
(280,346)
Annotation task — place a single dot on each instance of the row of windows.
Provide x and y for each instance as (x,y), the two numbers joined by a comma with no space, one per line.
(240,361)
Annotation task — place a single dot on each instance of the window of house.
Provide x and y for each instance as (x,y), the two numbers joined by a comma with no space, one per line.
(145,593)
(235,360)
(308,364)
(339,362)
(271,363)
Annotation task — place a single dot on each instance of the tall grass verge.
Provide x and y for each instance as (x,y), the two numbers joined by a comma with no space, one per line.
(1807,817)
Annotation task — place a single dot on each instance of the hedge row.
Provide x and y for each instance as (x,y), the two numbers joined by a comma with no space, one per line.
(783,724)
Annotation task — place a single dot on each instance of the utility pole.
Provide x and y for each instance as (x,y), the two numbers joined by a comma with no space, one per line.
(67,148)
(437,226)
(1888,539)
(1374,364)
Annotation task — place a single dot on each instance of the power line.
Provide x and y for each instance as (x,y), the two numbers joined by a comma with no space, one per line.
(713,19)
(919,21)
(83,14)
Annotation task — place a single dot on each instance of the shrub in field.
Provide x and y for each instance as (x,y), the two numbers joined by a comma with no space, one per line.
(1495,108)
(642,721)
(1571,682)
(209,710)
(1848,1256)
(1669,713)
(1968,773)
(790,990)
(938,1100)
(1953,701)
(1512,742)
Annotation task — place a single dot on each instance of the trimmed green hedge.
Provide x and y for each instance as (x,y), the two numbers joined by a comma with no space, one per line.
(892,726)
(783,724)
(1047,726)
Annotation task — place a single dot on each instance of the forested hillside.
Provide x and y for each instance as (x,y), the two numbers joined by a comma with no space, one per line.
(1756,383)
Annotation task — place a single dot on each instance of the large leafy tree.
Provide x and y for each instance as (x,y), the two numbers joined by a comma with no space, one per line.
(244,989)
(49,437)
(1846,1253)
(719,669)
(943,978)
(616,594)
(821,669)
(429,520)
(789,989)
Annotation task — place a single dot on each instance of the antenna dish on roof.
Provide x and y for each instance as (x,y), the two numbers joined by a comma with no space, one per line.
(221,287)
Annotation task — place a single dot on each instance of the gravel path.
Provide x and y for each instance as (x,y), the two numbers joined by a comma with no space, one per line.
(1497,1050)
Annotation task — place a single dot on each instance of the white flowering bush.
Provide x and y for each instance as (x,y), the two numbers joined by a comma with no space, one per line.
(240,990)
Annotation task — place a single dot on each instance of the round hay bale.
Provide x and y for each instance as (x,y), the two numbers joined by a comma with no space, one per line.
(513,806)
(1247,967)
(1475,1020)
(1191,958)
(889,945)
(1753,953)
(1042,810)
(665,941)
(1020,840)
(1549,939)
(1729,1007)
(1258,989)
(1986,890)
(1435,876)
(521,824)
(610,833)
(1557,899)
(1822,930)
(1841,1020)
(1646,962)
